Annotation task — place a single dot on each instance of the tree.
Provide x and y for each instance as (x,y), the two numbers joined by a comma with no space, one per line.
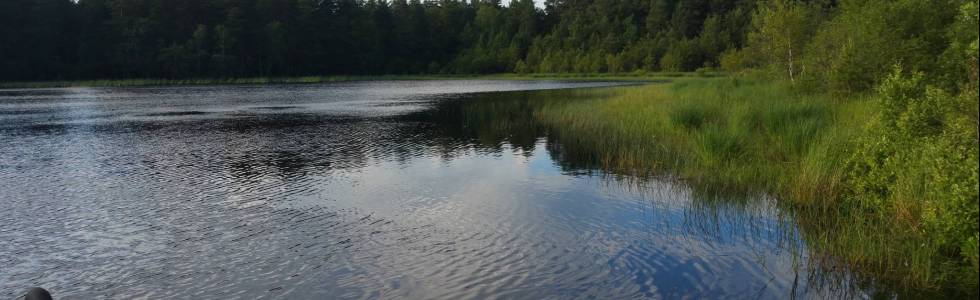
(781,29)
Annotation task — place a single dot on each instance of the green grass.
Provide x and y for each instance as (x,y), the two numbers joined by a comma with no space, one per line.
(741,136)
(750,136)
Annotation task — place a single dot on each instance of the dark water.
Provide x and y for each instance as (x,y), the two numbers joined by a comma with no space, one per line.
(409,189)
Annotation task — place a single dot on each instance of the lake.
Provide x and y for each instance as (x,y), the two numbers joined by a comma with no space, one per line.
(381,189)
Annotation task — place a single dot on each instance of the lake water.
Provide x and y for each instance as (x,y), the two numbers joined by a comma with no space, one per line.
(403,189)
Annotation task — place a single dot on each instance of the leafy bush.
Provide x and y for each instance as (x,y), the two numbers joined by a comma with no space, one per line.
(917,167)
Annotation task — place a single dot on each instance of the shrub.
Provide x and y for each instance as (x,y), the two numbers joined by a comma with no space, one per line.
(918,166)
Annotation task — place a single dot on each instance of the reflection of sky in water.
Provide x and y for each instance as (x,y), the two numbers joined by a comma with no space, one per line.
(348,190)
(639,242)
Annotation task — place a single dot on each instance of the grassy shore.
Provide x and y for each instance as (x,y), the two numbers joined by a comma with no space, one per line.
(728,136)
(735,135)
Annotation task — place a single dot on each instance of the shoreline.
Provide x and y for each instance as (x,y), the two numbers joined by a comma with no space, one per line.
(146,82)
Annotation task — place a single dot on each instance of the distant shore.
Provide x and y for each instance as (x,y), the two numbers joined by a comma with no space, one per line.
(341,78)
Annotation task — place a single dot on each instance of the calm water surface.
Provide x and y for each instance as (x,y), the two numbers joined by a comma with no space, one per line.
(407,189)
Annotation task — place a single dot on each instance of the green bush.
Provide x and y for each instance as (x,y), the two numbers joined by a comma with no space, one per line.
(917,167)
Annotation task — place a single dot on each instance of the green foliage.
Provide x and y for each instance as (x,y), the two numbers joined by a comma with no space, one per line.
(734,61)
(631,35)
(780,31)
(852,51)
(963,36)
(914,170)
(917,167)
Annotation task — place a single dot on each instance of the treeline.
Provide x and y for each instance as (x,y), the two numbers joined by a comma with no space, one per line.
(94,39)
(843,45)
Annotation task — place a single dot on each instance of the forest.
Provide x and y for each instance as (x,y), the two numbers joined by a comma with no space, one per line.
(99,39)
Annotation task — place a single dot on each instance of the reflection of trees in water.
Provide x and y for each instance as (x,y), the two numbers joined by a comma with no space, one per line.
(486,123)
(305,144)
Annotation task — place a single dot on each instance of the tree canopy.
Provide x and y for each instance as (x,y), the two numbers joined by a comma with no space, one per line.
(846,45)
(87,39)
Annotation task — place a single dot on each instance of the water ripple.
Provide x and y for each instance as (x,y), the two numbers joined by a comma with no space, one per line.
(352,190)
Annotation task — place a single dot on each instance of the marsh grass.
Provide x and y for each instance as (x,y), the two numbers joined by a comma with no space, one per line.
(747,135)
(730,136)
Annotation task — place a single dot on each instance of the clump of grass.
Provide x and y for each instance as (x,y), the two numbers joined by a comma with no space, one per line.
(691,117)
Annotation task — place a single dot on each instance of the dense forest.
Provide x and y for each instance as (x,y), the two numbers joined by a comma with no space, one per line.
(86,39)
(94,39)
